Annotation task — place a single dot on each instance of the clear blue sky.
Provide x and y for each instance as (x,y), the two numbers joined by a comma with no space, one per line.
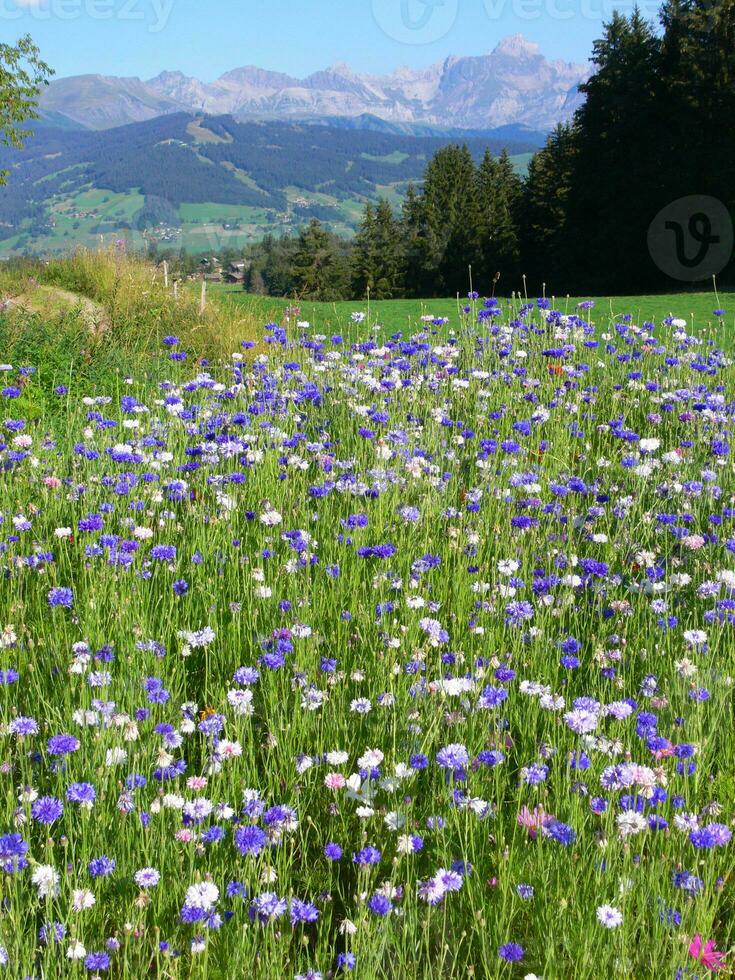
(205,38)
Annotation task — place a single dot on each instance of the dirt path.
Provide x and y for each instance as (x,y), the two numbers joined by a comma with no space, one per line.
(50,300)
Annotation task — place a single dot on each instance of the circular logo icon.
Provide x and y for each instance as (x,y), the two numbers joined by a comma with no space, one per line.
(692,238)
(415,21)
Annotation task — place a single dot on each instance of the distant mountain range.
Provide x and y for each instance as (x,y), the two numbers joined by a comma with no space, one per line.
(514,85)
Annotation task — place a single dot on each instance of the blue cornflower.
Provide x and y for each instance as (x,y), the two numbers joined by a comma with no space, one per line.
(62,744)
(101,867)
(303,912)
(368,855)
(61,596)
(13,850)
(380,905)
(511,952)
(99,962)
(250,840)
(47,809)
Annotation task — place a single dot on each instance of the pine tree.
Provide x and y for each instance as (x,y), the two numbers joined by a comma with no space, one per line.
(499,194)
(416,268)
(616,182)
(544,212)
(696,134)
(364,256)
(487,190)
(450,205)
(388,284)
(316,269)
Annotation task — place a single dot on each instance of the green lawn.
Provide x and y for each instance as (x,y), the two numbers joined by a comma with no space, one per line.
(696,308)
(229,213)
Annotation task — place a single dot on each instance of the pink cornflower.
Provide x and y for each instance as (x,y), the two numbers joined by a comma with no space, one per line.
(534,819)
(706,954)
(334,780)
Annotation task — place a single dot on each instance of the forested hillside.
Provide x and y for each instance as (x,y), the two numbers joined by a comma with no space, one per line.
(284,173)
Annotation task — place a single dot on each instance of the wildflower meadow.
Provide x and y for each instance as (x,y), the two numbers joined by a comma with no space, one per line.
(379,654)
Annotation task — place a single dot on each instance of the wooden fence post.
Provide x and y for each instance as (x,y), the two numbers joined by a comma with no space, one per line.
(203,300)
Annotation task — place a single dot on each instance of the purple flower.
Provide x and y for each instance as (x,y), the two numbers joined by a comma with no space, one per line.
(61,596)
(302,912)
(47,809)
(163,552)
(97,961)
(267,907)
(101,867)
(81,793)
(517,612)
(23,725)
(454,756)
(62,744)
(13,850)
(511,952)
(368,855)
(560,832)
(250,840)
(147,878)
(380,905)
(713,835)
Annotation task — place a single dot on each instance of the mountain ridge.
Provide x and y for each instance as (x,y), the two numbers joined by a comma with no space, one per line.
(513,84)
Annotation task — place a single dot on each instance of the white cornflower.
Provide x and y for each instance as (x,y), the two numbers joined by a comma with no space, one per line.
(609,916)
(82,899)
(46,879)
(202,895)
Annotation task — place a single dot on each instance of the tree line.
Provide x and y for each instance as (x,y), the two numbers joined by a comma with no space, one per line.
(657,125)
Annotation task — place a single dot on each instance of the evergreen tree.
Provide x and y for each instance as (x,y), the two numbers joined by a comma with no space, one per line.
(364,255)
(544,212)
(450,208)
(320,267)
(499,195)
(274,262)
(416,267)
(616,180)
(696,133)
(388,247)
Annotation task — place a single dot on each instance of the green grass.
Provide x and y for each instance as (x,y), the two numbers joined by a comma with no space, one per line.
(397,156)
(695,307)
(139,312)
(191,214)
(521,161)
